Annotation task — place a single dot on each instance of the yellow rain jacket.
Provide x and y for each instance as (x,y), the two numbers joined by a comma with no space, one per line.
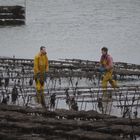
(41,66)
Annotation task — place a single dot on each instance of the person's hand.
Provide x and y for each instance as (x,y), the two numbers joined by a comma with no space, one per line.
(45,75)
(101,69)
(37,76)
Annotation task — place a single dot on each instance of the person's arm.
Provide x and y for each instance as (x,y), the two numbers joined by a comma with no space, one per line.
(101,68)
(101,61)
(109,63)
(36,70)
(47,64)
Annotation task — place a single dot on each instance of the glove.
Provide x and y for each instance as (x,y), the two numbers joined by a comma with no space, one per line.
(41,77)
(102,69)
(37,77)
(45,76)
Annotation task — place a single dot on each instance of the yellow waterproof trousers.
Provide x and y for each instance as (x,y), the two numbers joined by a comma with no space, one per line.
(40,93)
(107,77)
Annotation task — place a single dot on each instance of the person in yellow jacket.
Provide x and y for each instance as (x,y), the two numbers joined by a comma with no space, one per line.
(41,67)
(106,68)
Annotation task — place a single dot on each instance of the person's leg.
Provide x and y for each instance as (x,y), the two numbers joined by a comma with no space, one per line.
(104,83)
(112,82)
(43,96)
(38,91)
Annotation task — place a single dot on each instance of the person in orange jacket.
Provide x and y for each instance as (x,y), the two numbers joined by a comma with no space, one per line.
(106,68)
(41,67)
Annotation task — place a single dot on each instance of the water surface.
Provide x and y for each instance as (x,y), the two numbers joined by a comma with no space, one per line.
(75,29)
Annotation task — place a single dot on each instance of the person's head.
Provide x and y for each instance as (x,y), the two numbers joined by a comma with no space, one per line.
(104,50)
(43,50)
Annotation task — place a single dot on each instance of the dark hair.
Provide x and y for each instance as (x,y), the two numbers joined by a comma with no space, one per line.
(105,49)
(42,47)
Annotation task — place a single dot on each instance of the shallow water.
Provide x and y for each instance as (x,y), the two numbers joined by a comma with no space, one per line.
(75,29)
